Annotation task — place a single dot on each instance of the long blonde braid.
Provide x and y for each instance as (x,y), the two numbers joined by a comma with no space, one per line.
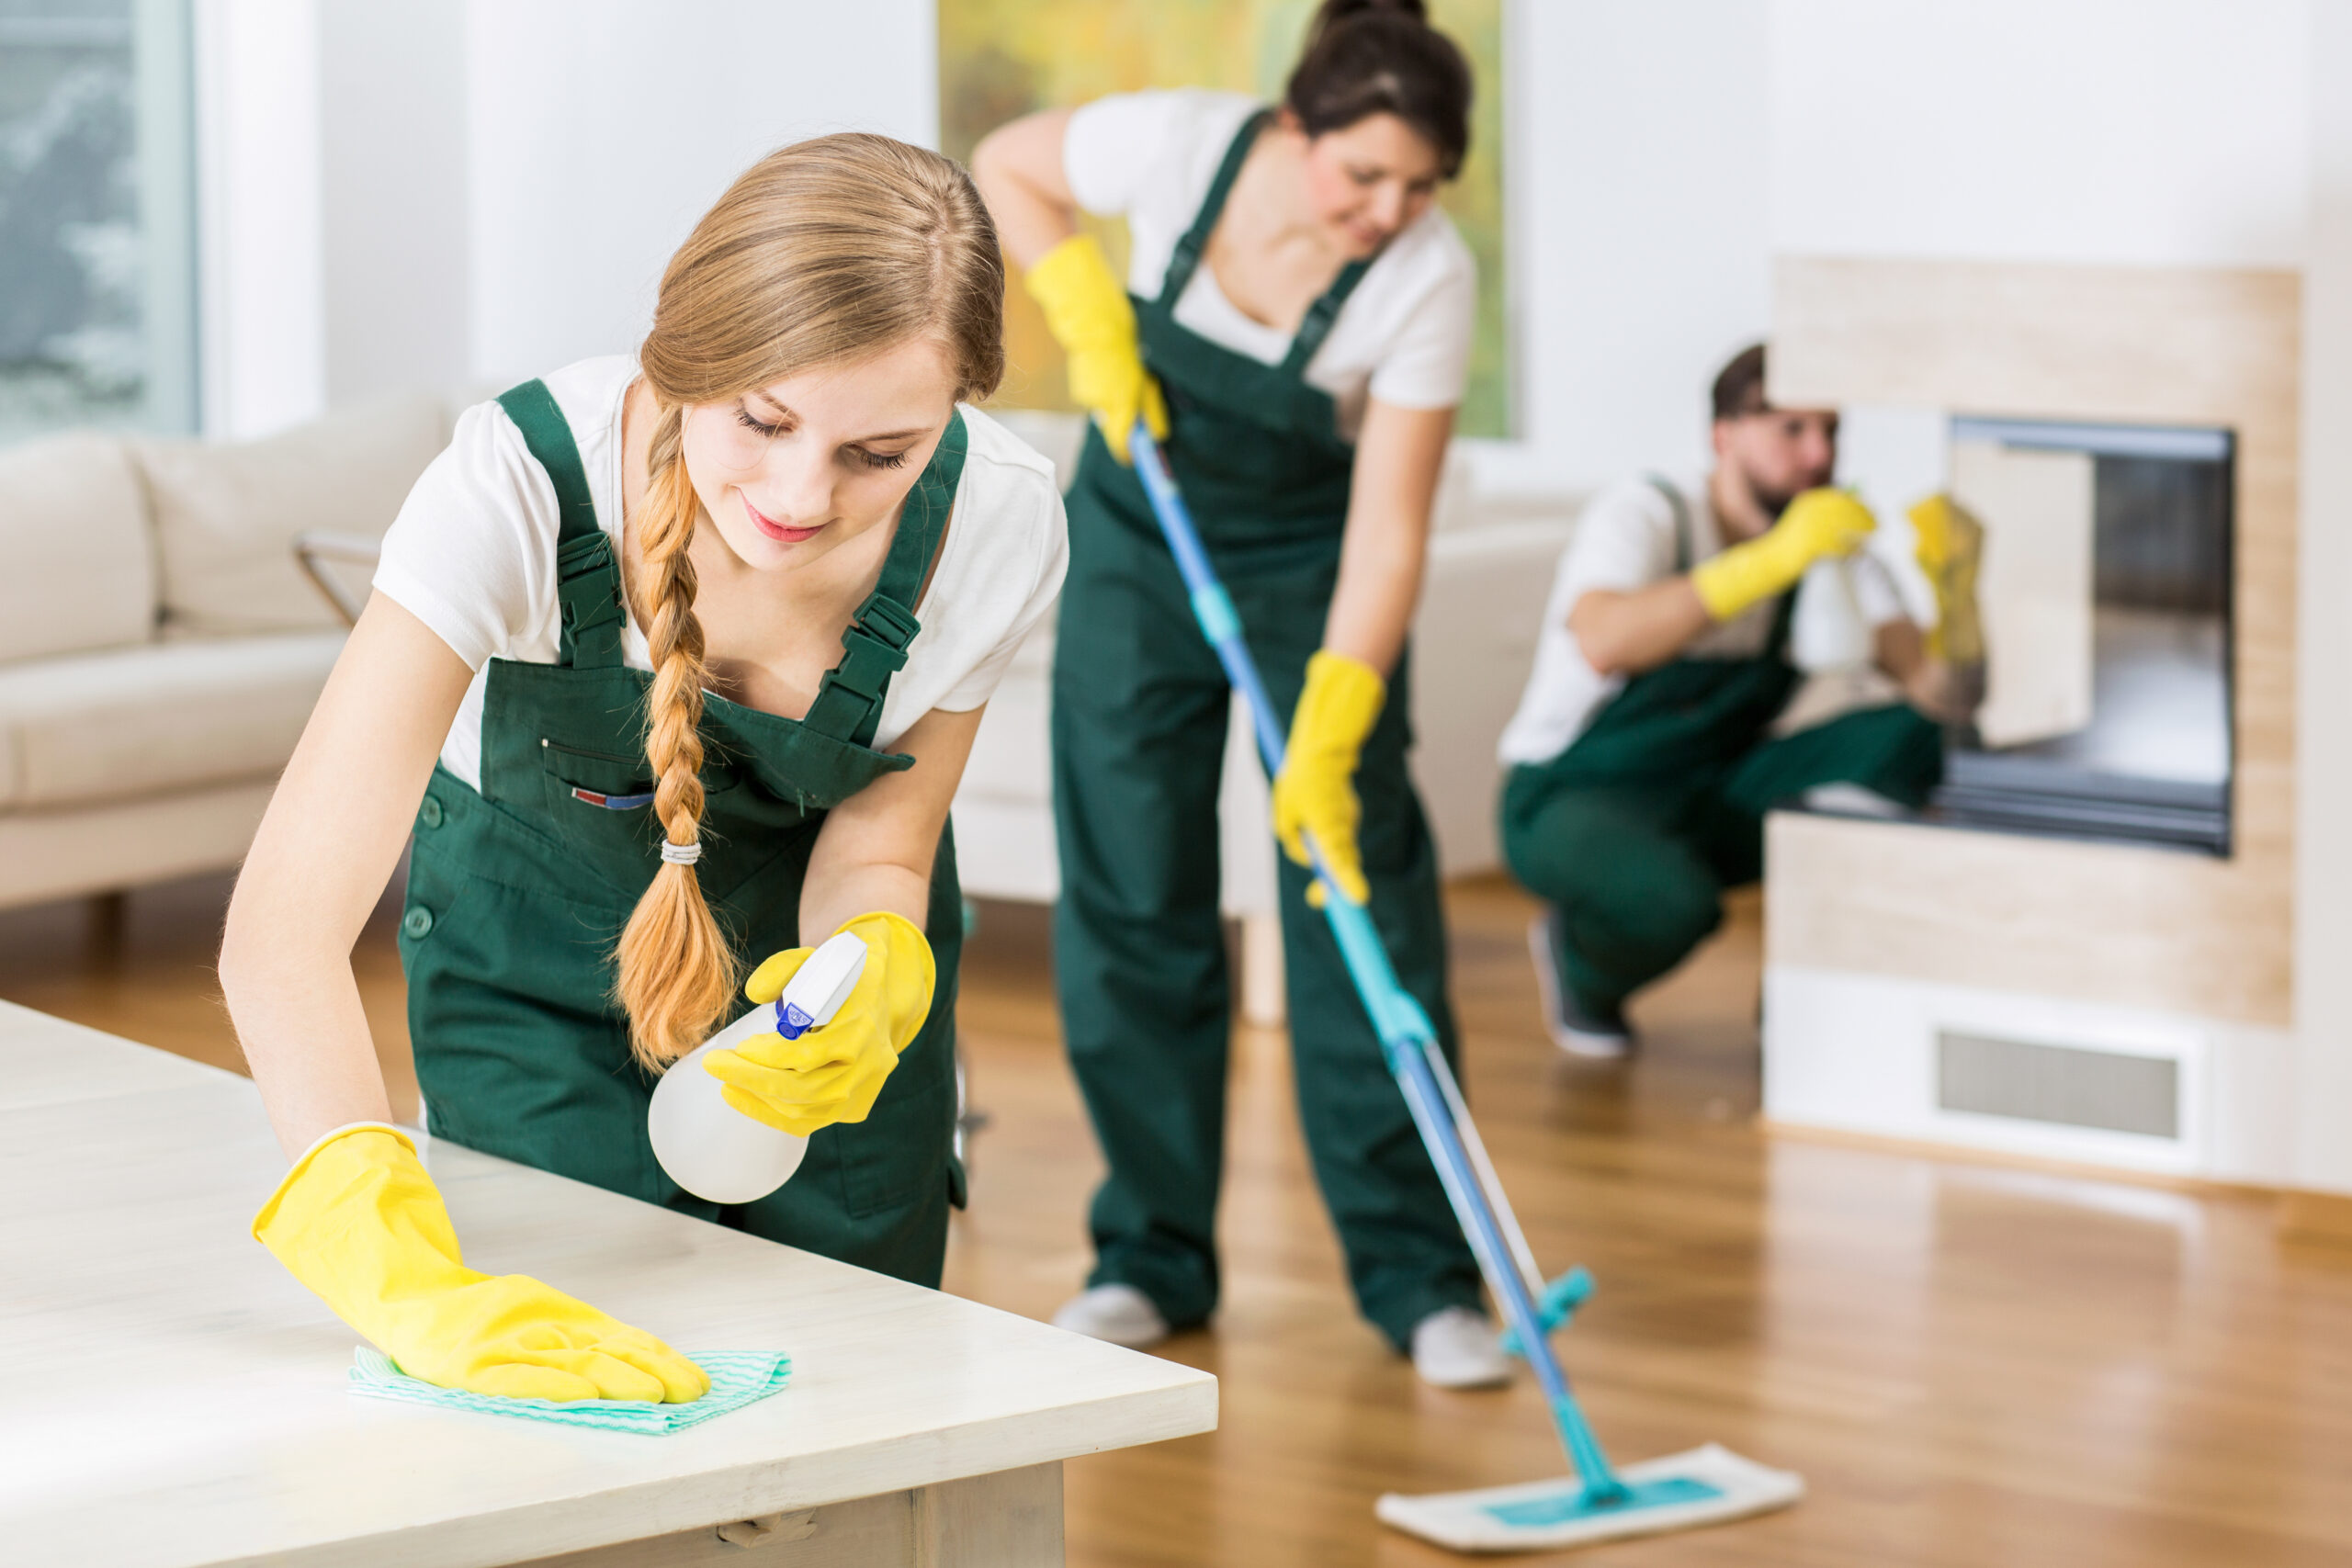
(676,971)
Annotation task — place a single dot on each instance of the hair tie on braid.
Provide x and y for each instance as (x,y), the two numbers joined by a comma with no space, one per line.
(681,854)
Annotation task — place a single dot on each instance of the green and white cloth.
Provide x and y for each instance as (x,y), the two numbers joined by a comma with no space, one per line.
(738,1378)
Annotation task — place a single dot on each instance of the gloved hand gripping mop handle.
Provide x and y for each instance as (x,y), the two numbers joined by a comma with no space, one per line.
(1407,1036)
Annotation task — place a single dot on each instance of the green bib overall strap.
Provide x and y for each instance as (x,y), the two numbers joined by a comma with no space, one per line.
(849,699)
(1186,259)
(588,579)
(1686,556)
(1684,550)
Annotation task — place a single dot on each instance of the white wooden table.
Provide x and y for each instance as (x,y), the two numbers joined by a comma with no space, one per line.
(169,1397)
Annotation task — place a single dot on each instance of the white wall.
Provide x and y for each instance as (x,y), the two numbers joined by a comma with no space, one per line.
(446,192)
(393,172)
(1638,231)
(2323,717)
(600,130)
(2148,133)
(261,339)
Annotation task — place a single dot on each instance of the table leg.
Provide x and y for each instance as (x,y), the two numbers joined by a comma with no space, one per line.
(1009,1519)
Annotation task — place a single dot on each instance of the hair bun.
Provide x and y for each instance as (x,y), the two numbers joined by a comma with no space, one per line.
(1332,13)
(1369,57)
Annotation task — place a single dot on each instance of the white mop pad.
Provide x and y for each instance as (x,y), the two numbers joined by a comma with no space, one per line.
(1705,1486)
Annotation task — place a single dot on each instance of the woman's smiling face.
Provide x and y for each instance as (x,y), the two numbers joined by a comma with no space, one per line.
(793,470)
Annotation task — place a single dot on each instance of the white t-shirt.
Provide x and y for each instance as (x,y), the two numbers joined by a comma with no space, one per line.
(1403,335)
(473,556)
(1624,540)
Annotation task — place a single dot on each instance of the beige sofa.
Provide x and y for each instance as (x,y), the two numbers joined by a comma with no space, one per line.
(160,646)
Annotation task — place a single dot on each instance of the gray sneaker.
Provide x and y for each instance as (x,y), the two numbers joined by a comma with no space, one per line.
(1572,1028)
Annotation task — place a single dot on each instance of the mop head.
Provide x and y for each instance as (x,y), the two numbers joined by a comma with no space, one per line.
(1705,1486)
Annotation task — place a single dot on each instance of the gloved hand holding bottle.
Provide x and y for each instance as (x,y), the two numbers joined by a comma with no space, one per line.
(1818,524)
(358,1222)
(1089,314)
(833,1074)
(1316,791)
(1951,545)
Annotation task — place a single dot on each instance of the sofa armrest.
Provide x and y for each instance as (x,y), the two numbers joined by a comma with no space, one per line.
(319,553)
(1474,642)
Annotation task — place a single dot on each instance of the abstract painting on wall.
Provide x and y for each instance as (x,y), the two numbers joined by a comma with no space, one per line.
(1001,59)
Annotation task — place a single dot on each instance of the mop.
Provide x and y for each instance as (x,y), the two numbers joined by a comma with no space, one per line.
(1705,1485)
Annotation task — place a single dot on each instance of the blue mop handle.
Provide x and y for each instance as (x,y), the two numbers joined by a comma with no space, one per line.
(1407,1036)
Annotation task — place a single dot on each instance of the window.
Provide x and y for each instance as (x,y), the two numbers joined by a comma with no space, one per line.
(96,237)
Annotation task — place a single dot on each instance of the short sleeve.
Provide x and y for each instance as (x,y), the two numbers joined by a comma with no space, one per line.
(1032,513)
(1427,364)
(472,551)
(1624,542)
(1114,145)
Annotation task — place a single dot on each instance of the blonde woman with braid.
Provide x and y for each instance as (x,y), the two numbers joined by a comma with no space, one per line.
(672,666)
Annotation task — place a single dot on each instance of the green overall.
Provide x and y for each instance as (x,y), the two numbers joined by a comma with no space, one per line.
(1635,830)
(1139,716)
(517,893)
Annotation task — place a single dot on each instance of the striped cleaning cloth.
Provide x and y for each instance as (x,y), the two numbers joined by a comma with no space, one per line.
(738,1378)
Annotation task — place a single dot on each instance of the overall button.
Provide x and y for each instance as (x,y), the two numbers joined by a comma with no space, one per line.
(430,812)
(417,923)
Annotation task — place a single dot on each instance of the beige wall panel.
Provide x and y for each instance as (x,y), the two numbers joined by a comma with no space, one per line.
(2136,927)
(2119,924)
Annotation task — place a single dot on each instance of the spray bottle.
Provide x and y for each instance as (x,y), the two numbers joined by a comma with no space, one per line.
(707,1147)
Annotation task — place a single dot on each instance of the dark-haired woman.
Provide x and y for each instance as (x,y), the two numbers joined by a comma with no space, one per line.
(1297,336)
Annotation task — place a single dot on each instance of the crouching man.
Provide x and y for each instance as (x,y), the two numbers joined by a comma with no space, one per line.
(1644,753)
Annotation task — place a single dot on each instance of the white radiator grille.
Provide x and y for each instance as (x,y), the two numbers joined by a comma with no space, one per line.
(2057,1083)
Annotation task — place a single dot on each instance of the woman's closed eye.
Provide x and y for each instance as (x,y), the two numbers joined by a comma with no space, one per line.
(862,455)
(743,416)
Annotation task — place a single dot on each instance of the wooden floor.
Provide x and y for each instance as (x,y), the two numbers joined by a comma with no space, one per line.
(1971,1366)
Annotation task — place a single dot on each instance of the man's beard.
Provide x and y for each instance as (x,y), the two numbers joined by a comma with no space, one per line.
(1773,503)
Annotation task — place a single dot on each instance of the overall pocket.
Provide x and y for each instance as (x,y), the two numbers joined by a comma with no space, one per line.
(602,805)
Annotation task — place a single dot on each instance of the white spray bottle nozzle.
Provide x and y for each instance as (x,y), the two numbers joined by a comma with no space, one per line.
(819,987)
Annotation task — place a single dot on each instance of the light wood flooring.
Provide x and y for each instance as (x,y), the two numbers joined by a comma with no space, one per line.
(1971,1365)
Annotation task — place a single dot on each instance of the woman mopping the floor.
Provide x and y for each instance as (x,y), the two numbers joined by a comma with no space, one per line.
(671,659)
(1299,337)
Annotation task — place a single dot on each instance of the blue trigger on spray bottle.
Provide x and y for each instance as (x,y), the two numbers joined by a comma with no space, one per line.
(790,1021)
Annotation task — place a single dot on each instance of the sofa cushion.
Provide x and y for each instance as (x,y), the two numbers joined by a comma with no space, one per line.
(81,567)
(135,721)
(226,515)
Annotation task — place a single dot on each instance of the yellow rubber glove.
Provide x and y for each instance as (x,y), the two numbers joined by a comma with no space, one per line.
(1088,315)
(359,1222)
(832,1074)
(1316,791)
(1818,523)
(1951,545)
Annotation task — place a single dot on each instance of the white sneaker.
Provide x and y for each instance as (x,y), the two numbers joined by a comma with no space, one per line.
(1457,1347)
(1841,799)
(1120,1314)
